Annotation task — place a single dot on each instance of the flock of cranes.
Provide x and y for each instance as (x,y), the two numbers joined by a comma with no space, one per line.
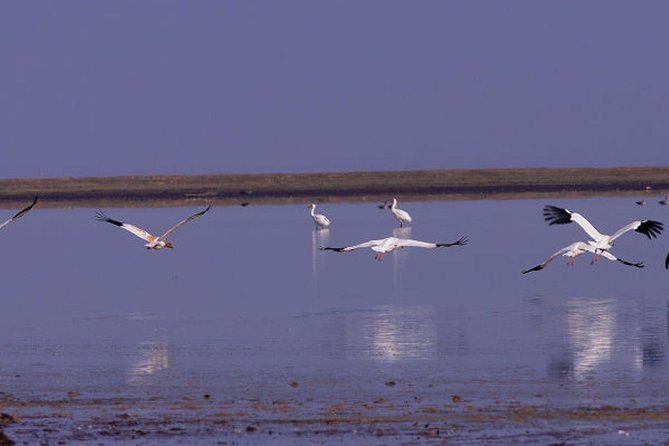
(599,244)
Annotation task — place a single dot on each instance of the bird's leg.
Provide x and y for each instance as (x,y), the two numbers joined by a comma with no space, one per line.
(380,256)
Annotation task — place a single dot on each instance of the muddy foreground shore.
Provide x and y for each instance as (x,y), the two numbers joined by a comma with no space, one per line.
(205,419)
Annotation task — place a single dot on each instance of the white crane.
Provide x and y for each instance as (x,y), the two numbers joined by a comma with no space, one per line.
(601,242)
(153,242)
(389,244)
(401,215)
(19,214)
(321,220)
(576,249)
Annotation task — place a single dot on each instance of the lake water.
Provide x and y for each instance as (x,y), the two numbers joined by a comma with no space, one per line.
(247,313)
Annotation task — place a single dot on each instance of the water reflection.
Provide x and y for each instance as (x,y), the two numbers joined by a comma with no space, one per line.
(400,258)
(153,355)
(586,337)
(392,333)
(591,330)
(319,237)
(653,342)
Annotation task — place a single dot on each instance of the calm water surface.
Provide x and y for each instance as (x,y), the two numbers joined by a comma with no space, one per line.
(246,307)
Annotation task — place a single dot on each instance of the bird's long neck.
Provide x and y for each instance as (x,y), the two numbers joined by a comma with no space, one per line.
(313,208)
(394,204)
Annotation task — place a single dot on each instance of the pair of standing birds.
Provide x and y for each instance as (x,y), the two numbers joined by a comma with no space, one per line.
(381,247)
(401,215)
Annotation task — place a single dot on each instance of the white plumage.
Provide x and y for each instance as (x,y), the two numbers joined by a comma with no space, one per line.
(401,215)
(389,244)
(321,220)
(576,249)
(153,242)
(601,242)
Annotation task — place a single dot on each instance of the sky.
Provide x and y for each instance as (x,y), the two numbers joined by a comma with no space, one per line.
(206,87)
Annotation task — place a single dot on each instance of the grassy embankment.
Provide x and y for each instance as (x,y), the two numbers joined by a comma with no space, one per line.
(226,189)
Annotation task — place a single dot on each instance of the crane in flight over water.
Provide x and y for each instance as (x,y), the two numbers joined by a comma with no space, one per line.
(401,215)
(576,249)
(19,214)
(321,220)
(600,242)
(389,244)
(153,242)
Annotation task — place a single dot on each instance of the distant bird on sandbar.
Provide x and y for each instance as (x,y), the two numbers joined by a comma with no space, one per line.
(641,202)
(19,214)
(386,245)
(576,249)
(321,220)
(665,201)
(153,242)
(401,215)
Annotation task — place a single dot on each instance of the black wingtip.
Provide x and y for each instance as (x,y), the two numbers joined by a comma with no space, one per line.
(635,264)
(536,268)
(328,248)
(25,210)
(650,228)
(666,262)
(460,242)
(202,212)
(556,216)
(101,216)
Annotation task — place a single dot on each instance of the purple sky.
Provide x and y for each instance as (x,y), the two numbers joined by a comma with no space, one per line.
(167,87)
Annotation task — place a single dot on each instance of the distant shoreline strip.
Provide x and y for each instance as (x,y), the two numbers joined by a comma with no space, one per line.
(231,189)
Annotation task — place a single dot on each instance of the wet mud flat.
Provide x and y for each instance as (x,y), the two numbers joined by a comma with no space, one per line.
(206,420)
(245,189)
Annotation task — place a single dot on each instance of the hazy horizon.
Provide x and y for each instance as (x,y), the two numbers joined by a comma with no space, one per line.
(181,88)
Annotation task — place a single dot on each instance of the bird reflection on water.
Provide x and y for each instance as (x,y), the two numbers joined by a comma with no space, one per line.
(393,333)
(153,355)
(319,237)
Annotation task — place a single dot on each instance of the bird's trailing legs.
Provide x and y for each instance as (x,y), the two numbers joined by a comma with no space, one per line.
(596,256)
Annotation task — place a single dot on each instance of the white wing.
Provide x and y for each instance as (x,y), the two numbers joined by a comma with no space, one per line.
(401,214)
(558,216)
(368,244)
(139,232)
(649,228)
(587,226)
(183,222)
(574,247)
(414,243)
(321,220)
